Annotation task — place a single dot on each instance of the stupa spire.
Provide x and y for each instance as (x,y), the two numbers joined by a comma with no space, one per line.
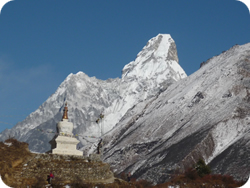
(65,112)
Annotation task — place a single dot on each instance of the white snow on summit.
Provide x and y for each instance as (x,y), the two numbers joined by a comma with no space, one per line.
(144,77)
(154,61)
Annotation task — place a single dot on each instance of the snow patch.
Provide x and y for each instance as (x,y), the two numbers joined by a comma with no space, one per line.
(8,144)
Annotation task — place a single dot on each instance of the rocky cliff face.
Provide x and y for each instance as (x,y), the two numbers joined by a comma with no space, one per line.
(205,115)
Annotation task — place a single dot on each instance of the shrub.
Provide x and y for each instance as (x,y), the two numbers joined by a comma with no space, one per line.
(40,182)
(201,168)
(207,181)
(133,179)
(123,176)
(143,184)
(228,179)
(191,174)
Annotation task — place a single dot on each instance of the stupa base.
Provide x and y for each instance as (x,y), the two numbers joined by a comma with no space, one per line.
(66,146)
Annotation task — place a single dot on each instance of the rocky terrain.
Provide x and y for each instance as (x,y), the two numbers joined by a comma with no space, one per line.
(21,168)
(205,115)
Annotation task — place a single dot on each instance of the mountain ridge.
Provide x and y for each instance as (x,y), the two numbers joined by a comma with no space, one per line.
(204,113)
(87,97)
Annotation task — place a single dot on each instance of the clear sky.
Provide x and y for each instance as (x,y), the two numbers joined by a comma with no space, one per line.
(43,41)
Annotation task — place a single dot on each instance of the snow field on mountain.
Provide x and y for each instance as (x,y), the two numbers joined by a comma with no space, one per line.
(205,102)
(226,133)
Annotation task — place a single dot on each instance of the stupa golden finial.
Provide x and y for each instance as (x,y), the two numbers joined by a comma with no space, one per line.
(65,112)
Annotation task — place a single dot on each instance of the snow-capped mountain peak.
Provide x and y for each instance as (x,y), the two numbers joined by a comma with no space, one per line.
(157,60)
(154,69)
(206,115)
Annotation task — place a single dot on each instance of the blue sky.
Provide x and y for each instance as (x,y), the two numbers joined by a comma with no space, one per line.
(43,41)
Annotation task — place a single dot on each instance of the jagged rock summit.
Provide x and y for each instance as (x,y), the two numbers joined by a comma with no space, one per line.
(158,60)
(153,71)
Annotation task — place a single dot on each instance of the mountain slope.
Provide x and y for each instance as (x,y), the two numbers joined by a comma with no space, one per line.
(154,69)
(205,115)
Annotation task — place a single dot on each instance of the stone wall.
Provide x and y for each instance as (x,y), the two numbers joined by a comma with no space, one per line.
(67,168)
(21,168)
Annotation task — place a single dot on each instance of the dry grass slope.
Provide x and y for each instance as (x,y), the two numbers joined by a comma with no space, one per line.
(21,168)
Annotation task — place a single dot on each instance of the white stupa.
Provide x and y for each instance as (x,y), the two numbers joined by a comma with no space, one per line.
(65,143)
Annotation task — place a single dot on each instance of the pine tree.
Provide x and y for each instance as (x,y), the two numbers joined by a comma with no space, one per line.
(202,169)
